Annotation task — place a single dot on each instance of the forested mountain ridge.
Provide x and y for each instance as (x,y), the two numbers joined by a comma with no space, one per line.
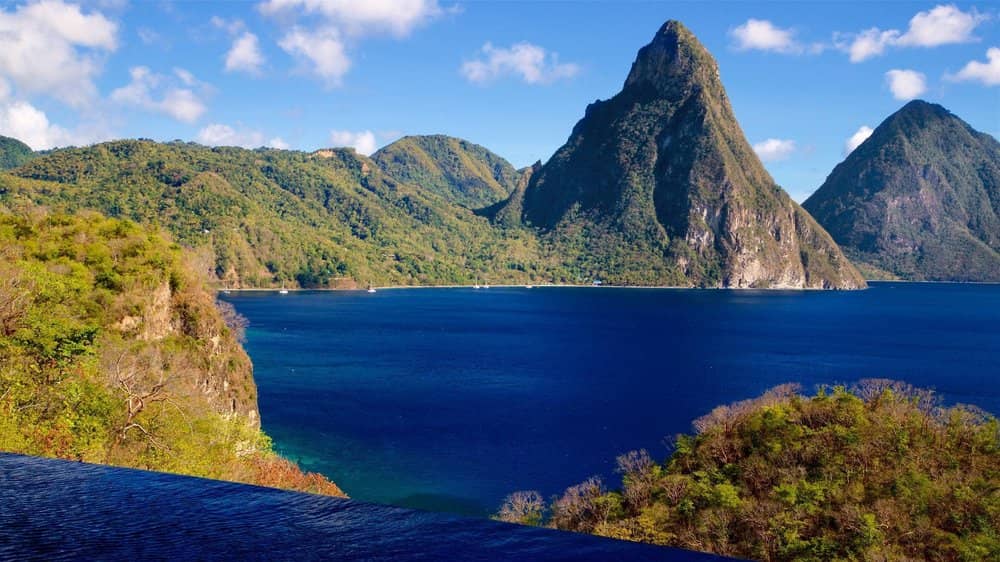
(13,153)
(265,218)
(462,172)
(919,199)
(658,185)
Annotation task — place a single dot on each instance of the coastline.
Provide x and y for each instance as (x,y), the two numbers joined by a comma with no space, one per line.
(603,286)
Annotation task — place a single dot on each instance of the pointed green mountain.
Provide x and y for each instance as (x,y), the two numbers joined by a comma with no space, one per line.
(919,199)
(13,153)
(462,172)
(658,185)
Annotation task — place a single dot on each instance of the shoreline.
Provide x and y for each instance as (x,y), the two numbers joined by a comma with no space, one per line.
(532,286)
(581,286)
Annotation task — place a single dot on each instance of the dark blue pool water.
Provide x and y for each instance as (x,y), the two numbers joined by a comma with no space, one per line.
(449,399)
(62,510)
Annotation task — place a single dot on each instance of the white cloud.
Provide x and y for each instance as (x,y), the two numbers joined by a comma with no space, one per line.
(362,141)
(245,54)
(762,35)
(54,48)
(185,76)
(321,42)
(147,35)
(397,17)
(870,43)
(231,27)
(179,103)
(773,150)
(855,140)
(278,143)
(986,72)
(942,25)
(531,63)
(27,123)
(217,134)
(906,84)
(321,50)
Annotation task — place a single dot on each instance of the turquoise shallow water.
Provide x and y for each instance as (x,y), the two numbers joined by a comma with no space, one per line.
(448,399)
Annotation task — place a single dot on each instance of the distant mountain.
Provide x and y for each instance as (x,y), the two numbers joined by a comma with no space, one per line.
(462,172)
(265,217)
(658,185)
(918,200)
(13,153)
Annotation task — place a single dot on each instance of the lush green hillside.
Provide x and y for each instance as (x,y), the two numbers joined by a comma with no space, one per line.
(271,217)
(920,199)
(112,350)
(658,185)
(13,153)
(461,172)
(877,472)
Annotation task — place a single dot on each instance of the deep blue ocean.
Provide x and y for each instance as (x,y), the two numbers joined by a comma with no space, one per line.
(448,399)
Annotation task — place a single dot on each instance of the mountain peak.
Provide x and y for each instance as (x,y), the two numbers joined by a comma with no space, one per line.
(658,185)
(919,200)
(673,60)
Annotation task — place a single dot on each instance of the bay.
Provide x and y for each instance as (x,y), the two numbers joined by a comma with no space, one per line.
(448,399)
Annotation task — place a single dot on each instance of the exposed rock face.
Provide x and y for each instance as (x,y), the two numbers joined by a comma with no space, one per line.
(919,199)
(658,185)
(456,169)
(213,362)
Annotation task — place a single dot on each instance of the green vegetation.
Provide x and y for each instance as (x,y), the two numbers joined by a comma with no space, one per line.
(13,153)
(266,218)
(462,172)
(918,200)
(876,472)
(658,185)
(113,351)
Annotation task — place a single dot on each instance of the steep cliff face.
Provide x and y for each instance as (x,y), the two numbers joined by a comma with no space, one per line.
(216,368)
(659,185)
(919,199)
(462,172)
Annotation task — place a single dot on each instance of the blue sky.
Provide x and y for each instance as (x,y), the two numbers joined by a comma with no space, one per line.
(803,77)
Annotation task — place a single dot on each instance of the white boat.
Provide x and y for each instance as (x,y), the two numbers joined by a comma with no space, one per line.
(529,286)
(283,292)
(371,289)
